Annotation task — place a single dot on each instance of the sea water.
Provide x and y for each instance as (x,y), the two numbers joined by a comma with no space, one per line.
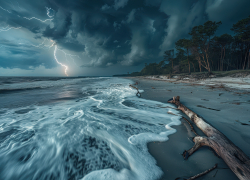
(79,128)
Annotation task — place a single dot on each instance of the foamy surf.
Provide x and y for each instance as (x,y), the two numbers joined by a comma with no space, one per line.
(101,136)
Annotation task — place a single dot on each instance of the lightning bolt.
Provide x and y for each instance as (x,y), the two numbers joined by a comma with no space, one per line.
(42,45)
(48,9)
(66,67)
(9,28)
(38,46)
(5,27)
(70,55)
(38,19)
(52,44)
(5,9)
(31,17)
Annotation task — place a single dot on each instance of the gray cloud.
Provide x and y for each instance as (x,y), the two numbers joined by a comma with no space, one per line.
(61,27)
(120,4)
(23,56)
(183,15)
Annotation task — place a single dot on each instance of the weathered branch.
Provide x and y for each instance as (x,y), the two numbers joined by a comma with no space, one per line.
(138,92)
(203,173)
(199,142)
(234,157)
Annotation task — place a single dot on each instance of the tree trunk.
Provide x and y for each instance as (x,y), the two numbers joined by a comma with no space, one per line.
(208,65)
(189,67)
(205,65)
(234,157)
(241,55)
(244,64)
(218,65)
(188,61)
(223,58)
(212,65)
(193,66)
(199,61)
(248,59)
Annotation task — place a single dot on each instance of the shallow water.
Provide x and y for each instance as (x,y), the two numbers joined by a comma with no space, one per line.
(83,128)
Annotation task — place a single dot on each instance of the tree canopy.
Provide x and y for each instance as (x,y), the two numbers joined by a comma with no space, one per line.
(204,51)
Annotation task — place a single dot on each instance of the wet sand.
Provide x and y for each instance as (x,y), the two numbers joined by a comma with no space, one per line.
(227,112)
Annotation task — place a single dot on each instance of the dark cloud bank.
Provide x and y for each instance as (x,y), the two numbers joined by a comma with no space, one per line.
(106,33)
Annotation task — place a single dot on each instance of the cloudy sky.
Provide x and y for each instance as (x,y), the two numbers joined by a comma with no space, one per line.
(100,37)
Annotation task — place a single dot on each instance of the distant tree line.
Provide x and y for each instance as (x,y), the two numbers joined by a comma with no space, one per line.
(204,51)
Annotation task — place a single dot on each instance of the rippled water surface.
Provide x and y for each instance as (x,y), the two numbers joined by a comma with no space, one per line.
(82,128)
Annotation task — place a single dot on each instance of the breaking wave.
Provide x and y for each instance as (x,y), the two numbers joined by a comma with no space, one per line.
(101,136)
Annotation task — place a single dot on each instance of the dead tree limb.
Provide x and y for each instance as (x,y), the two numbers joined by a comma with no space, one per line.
(233,156)
(138,92)
(203,173)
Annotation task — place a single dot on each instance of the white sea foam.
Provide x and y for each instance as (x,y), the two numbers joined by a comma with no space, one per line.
(103,136)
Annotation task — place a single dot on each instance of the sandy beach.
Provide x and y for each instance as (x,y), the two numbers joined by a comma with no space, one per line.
(226,110)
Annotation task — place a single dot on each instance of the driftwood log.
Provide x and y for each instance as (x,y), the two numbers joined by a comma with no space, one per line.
(138,92)
(233,156)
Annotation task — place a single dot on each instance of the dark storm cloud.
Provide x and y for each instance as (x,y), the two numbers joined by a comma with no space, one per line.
(72,46)
(61,27)
(17,14)
(23,57)
(229,12)
(110,32)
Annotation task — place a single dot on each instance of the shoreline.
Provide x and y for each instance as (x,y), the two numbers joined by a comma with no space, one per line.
(230,83)
(223,108)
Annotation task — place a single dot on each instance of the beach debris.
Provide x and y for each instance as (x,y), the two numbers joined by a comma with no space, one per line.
(220,94)
(203,173)
(221,86)
(239,93)
(237,103)
(153,88)
(138,92)
(208,108)
(234,157)
(215,173)
(211,87)
(244,124)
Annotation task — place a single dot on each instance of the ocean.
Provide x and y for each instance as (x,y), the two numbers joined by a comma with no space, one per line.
(79,128)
